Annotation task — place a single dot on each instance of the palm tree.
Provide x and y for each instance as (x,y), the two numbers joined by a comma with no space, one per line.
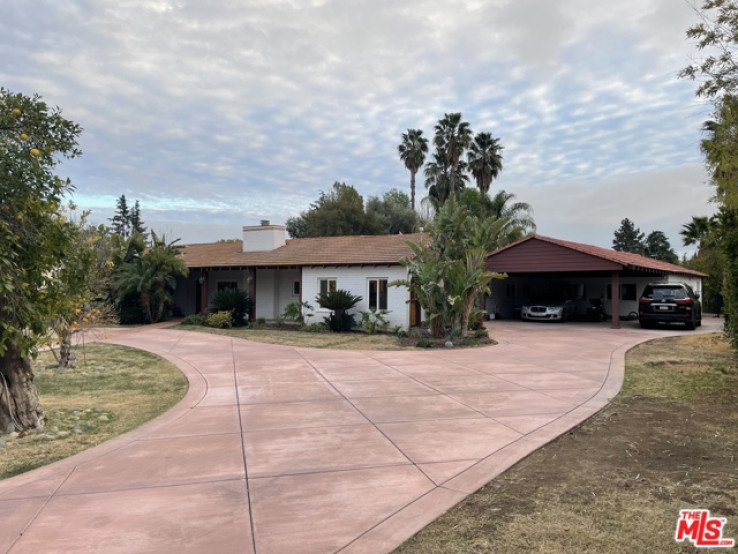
(519,215)
(452,138)
(696,232)
(412,152)
(151,276)
(484,161)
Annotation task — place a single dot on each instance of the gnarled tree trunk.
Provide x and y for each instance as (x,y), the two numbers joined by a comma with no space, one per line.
(19,403)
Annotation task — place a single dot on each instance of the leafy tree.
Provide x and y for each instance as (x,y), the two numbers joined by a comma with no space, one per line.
(336,213)
(628,238)
(35,239)
(705,233)
(393,212)
(447,275)
(716,32)
(150,275)
(484,161)
(657,246)
(412,150)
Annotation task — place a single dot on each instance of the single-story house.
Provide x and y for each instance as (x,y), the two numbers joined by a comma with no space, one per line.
(536,261)
(277,271)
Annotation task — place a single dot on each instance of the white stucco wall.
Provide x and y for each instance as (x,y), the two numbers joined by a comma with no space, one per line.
(356,280)
(274,291)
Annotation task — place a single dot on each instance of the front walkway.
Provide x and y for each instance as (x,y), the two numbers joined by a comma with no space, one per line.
(282,450)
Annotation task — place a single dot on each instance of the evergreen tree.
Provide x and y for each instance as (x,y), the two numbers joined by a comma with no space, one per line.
(659,248)
(628,238)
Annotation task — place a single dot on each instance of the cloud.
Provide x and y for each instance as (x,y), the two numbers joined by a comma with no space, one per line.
(244,110)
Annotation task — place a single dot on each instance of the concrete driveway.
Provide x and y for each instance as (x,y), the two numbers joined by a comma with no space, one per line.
(278,449)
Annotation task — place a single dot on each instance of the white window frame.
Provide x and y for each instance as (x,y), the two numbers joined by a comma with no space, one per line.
(377,298)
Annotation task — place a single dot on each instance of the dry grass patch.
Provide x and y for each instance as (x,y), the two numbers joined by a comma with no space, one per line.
(617,482)
(114,389)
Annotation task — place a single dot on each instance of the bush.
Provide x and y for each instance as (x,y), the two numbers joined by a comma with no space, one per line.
(425,342)
(221,320)
(294,312)
(373,321)
(130,310)
(481,333)
(235,301)
(194,319)
(339,302)
(314,328)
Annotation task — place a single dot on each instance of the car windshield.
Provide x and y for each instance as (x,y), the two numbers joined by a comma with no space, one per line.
(665,293)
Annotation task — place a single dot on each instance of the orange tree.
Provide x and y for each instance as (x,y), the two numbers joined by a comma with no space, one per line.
(35,240)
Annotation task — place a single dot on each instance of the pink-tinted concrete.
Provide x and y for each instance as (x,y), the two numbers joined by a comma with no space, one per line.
(278,449)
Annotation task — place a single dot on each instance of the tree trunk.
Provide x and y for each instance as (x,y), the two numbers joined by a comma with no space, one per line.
(19,404)
(412,190)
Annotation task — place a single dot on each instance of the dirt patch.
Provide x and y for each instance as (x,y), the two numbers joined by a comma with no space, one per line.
(617,482)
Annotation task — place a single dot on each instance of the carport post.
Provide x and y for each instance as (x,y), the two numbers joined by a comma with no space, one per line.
(615,304)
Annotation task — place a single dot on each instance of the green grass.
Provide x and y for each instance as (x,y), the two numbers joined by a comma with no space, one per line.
(114,390)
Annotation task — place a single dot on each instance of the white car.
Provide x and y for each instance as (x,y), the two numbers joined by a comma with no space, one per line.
(554,310)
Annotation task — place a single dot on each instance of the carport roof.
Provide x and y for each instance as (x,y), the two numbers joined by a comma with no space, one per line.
(538,254)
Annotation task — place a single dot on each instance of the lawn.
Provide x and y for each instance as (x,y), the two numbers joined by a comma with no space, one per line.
(114,389)
(617,482)
(354,340)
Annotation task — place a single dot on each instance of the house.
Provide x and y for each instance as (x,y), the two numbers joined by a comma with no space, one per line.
(535,261)
(278,271)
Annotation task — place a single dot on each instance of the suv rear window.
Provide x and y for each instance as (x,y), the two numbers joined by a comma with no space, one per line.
(665,292)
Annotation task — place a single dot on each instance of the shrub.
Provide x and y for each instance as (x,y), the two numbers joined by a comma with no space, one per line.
(424,342)
(339,302)
(194,319)
(314,328)
(481,333)
(373,321)
(221,320)
(235,301)
(297,312)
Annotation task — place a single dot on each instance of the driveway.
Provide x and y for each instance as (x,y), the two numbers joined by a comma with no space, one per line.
(279,449)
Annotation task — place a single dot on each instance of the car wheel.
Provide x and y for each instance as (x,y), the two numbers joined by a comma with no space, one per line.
(645,324)
(690,325)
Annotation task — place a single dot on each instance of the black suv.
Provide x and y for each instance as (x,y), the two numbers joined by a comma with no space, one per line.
(669,303)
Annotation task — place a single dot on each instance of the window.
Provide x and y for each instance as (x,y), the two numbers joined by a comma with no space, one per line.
(327,285)
(377,294)
(295,288)
(227,285)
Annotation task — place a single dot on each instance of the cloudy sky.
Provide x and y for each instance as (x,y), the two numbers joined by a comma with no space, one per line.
(216,115)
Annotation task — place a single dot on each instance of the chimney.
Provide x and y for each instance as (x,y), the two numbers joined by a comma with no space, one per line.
(263,237)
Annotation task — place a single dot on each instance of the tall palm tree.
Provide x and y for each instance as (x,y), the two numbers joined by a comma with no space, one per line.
(695,232)
(484,161)
(438,176)
(412,152)
(452,138)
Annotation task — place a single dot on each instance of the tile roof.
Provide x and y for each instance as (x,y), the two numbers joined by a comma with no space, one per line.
(626,259)
(348,250)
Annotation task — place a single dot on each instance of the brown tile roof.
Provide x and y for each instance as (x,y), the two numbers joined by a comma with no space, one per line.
(626,259)
(350,250)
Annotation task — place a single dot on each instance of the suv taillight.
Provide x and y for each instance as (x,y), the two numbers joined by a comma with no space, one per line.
(685,302)
(645,301)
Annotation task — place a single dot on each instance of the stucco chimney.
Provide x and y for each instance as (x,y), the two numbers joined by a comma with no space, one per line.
(259,238)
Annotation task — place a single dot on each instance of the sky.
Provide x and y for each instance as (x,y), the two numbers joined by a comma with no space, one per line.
(215,115)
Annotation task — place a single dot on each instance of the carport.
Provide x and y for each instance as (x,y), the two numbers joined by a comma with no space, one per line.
(618,278)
